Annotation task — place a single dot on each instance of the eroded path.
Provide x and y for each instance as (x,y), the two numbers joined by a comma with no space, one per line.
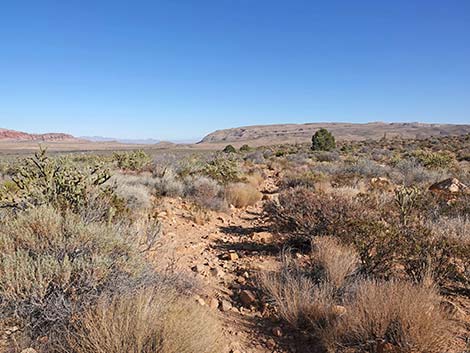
(224,255)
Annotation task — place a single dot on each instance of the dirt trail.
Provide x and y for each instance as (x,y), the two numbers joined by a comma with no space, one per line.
(225,254)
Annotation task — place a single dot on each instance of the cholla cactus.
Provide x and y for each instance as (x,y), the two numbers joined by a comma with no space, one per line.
(406,198)
(58,182)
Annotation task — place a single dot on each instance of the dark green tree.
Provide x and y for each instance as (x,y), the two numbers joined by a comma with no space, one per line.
(229,149)
(323,140)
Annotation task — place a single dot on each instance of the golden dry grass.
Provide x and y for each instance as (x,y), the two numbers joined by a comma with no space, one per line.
(146,322)
(242,195)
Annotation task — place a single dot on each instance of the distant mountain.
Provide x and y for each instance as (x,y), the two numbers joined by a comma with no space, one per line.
(125,141)
(299,133)
(12,135)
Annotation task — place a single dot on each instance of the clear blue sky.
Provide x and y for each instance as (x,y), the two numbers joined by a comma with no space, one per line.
(178,69)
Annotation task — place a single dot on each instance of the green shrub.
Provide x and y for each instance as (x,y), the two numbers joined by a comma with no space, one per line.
(323,140)
(245,148)
(229,149)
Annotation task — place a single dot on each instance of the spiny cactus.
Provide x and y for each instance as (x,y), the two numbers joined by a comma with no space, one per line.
(406,198)
(58,182)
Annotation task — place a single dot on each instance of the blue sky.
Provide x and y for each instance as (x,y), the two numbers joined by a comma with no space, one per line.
(178,69)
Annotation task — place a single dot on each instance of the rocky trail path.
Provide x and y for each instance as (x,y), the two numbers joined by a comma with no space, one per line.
(225,254)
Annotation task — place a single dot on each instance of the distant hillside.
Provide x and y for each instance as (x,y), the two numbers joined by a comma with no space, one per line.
(292,133)
(148,141)
(12,135)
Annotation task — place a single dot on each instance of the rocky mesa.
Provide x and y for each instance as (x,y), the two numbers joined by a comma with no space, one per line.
(299,133)
(13,135)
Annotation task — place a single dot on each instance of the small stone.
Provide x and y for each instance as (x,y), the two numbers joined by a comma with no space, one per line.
(199,268)
(270,343)
(247,297)
(233,256)
(262,237)
(451,185)
(200,301)
(213,303)
(218,272)
(225,305)
(339,310)
(241,279)
(277,331)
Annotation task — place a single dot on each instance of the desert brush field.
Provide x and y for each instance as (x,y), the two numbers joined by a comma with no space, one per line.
(350,246)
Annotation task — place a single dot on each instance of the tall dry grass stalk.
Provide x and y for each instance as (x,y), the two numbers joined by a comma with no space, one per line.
(146,322)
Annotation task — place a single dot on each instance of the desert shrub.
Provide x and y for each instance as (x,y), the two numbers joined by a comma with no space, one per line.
(134,160)
(52,266)
(241,194)
(136,197)
(411,172)
(298,179)
(403,316)
(434,160)
(326,156)
(229,149)
(146,322)
(245,148)
(256,157)
(364,168)
(224,170)
(443,256)
(323,140)
(58,182)
(304,214)
(169,184)
(376,244)
(205,192)
(400,247)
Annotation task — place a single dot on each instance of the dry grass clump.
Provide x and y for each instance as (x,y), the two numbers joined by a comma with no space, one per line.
(362,315)
(407,317)
(299,300)
(146,322)
(255,178)
(336,261)
(242,195)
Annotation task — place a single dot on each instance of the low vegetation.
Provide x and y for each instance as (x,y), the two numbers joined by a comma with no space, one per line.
(373,241)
